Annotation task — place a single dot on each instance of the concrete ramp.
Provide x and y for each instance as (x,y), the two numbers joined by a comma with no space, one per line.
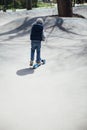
(54,96)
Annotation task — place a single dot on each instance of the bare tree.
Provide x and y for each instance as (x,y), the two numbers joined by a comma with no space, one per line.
(34,2)
(5,5)
(29,4)
(64,8)
(14,4)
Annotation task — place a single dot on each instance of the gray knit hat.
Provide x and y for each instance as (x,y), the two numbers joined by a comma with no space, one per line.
(39,20)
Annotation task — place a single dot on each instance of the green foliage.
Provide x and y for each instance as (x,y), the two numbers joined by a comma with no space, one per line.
(34,3)
(20,4)
(41,4)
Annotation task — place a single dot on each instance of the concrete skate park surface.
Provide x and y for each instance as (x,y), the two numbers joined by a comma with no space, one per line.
(54,96)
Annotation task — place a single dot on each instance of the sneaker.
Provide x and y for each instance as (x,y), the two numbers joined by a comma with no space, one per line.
(31,63)
(38,62)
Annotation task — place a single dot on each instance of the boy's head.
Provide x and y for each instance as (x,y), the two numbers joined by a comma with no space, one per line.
(39,21)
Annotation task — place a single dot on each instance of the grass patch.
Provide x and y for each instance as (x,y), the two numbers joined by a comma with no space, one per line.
(41,4)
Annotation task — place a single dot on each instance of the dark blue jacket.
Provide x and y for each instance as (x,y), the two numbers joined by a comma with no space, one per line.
(36,32)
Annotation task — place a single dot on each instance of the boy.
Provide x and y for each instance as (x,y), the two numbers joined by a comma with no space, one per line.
(36,37)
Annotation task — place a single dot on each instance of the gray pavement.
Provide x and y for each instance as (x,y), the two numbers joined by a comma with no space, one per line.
(54,96)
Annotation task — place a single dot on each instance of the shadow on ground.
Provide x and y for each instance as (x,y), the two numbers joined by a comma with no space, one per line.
(26,71)
(22,26)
